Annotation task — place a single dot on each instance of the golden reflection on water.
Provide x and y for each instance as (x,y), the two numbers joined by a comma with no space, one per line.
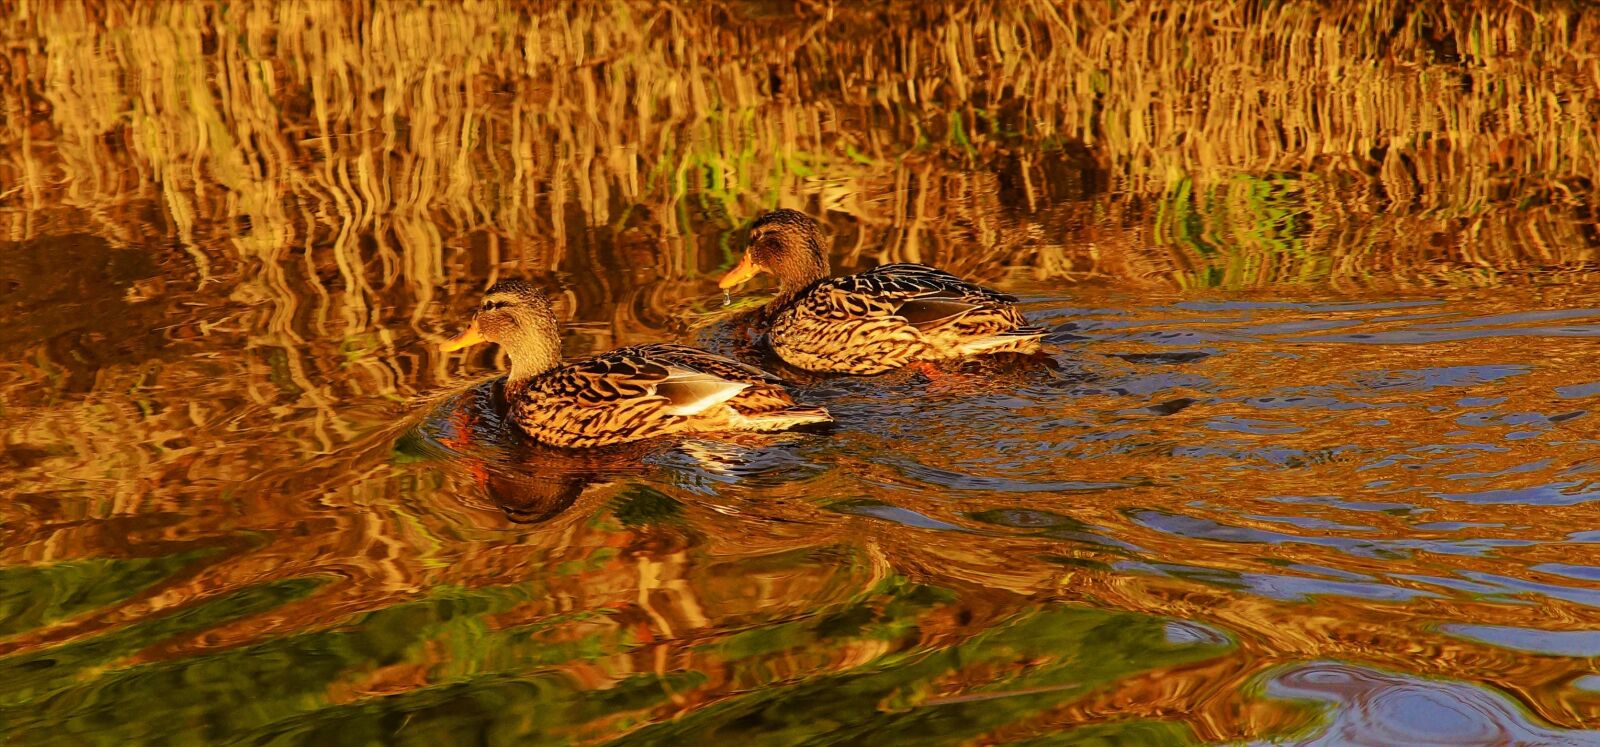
(1319,432)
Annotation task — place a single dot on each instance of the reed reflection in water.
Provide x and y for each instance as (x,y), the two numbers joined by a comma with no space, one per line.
(1314,464)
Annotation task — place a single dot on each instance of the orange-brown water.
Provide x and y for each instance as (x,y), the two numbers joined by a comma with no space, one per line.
(1315,460)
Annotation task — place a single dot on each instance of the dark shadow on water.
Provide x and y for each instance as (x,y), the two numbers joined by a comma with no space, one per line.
(529,482)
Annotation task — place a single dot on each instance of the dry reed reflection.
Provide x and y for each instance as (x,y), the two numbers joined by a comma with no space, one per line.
(1321,433)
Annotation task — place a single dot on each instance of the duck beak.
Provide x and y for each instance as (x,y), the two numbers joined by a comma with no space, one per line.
(468,337)
(740,275)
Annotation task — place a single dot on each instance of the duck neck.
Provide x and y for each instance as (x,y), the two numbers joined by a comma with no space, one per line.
(531,355)
(785,297)
(788,289)
(808,266)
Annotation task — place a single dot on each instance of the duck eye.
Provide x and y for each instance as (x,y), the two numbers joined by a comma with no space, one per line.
(492,305)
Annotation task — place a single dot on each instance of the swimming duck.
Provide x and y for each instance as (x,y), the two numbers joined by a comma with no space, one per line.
(875,321)
(624,395)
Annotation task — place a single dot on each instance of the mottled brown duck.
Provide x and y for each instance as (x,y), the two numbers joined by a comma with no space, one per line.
(626,394)
(875,321)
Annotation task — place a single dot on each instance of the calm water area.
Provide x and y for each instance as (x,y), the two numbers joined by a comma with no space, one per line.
(1315,458)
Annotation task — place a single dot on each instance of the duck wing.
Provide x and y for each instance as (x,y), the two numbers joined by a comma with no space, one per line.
(925,297)
(930,312)
(704,361)
(762,395)
(916,280)
(636,375)
(603,380)
(653,390)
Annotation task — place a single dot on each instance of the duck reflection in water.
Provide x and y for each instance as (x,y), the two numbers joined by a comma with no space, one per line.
(536,498)
(532,483)
(529,482)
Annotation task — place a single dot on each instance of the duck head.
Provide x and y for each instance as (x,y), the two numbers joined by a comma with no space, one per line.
(518,317)
(786,243)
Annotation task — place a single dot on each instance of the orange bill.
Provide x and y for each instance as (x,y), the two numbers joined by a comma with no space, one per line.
(740,275)
(468,337)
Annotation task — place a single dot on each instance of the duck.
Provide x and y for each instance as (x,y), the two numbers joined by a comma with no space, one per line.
(873,322)
(624,395)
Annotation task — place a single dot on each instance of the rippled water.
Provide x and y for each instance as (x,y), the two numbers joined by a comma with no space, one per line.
(1313,460)
(1206,518)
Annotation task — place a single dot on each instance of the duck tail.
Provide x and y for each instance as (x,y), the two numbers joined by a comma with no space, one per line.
(782,420)
(1019,340)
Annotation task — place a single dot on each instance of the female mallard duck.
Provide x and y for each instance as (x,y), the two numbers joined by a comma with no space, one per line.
(876,321)
(624,395)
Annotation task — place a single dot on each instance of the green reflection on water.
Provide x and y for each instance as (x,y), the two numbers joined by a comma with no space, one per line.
(34,596)
(516,681)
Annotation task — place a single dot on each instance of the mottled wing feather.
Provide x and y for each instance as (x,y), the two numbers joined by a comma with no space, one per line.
(765,393)
(840,302)
(647,391)
(696,359)
(905,280)
(603,379)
